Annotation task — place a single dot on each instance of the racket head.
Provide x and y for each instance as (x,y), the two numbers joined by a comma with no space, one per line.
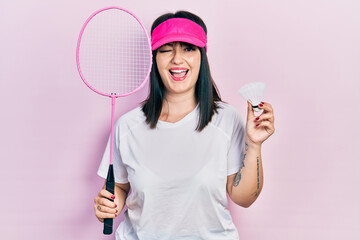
(113,52)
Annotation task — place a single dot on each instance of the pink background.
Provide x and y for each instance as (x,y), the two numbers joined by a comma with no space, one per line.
(54,129)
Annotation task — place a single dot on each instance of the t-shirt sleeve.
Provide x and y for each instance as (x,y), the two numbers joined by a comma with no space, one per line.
(237,145)
(120,171)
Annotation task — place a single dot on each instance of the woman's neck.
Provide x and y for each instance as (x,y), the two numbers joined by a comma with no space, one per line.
(176,106)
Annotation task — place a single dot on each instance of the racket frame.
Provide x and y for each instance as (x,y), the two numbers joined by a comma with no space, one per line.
(110,181)
(113,95)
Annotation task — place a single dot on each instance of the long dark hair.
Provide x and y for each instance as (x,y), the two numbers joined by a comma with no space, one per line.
(206,92)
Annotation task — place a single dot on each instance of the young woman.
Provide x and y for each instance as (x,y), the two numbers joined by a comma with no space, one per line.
(183,149)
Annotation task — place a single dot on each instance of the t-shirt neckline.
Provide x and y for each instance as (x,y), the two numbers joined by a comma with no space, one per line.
(182,121)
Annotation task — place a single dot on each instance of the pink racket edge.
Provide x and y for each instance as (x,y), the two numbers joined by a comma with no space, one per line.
(78,48)
(110,180)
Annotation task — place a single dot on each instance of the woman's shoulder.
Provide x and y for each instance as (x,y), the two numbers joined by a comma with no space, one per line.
(131,118)
(227,117)
(226,110)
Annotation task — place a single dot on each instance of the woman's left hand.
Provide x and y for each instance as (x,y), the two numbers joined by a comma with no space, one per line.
(260,128)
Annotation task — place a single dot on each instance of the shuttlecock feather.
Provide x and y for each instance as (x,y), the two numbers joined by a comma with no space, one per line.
(253,92)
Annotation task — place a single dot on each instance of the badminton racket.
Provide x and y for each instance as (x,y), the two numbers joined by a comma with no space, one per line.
(114,59)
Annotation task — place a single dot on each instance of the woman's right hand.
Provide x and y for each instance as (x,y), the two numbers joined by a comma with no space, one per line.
(104,208)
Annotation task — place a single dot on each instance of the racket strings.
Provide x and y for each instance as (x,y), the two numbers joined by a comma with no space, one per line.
(114,53)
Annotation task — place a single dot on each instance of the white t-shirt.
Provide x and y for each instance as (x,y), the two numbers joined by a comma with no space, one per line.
(177,175)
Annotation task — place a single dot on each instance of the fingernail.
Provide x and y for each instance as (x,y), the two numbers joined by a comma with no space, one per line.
(262,102)
(116,211)
(260,105)
(257,118)
(115,205)
(257,124)
(112,197)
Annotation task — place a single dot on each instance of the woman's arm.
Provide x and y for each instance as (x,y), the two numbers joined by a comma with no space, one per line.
(245,186)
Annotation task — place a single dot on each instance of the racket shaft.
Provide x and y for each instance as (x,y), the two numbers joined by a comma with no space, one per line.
(110,185)
(110,182)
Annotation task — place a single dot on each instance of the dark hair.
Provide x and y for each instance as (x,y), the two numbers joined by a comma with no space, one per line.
(206,92)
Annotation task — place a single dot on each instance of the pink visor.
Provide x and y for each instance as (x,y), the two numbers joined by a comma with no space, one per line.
(178,30)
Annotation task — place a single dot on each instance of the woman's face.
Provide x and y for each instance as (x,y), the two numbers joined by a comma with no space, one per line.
(179,65)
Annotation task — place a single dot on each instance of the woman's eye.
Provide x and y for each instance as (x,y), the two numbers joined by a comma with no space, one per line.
(189,49)
(164,50)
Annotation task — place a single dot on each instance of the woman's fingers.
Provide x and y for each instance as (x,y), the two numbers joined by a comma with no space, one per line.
(99,209)
(101,215)
(103,198)
(250,111)
(101,201)
(267,125)
(265,117)
(104,208)
(102,211)
(105,193)
(266,107)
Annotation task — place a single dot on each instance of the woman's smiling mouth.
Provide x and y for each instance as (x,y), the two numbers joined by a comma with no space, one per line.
(178,74)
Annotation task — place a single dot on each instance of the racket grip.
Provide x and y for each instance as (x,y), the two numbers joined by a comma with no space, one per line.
(110,185)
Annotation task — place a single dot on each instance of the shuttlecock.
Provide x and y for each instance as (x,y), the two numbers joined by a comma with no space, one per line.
(253,92)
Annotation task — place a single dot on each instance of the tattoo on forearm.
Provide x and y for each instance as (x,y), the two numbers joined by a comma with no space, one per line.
(258,181)
(238,175)
(255,194)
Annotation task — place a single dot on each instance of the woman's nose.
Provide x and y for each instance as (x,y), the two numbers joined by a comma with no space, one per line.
(177,57)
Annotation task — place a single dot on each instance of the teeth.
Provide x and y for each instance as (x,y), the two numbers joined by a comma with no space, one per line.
(177,71)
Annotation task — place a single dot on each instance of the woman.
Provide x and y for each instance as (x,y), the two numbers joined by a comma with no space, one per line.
(184,148)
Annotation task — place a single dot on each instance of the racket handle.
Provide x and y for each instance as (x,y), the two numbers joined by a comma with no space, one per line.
(110,185)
